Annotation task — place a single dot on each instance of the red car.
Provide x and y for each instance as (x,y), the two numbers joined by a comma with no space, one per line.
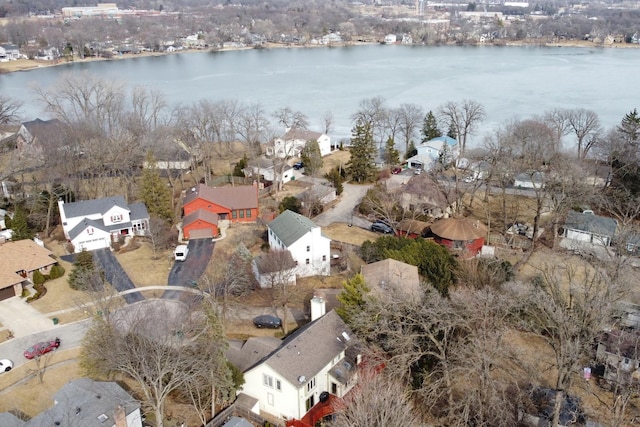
(396,171)
(41,348)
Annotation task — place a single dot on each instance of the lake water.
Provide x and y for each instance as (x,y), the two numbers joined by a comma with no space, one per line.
(509,82)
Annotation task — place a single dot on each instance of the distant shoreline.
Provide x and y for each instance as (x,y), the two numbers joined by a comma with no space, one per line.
(30,64)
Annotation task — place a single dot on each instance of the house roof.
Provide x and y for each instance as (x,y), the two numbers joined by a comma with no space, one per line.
(425,187)
(86,400)
(412,226)
(237,422)
(245,354)
(304,134)
(591,223)
(264,163)
(138,211)
(439,140)
(230,197)
(390,275)
(274,261)
(459,229)
(200,214)
(289,227)
(21,255)
(534,177)
(39,128)
(95,206)
(304,353)
(7,419)
(317,191)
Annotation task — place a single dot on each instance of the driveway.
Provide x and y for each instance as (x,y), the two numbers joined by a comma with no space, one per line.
(21,318)
(343,211)
(184,273)
(115,274)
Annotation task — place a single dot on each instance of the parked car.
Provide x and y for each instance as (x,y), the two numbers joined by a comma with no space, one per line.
(417,171)
(181,252)
(267,321)
(5,365)
(396,171)
(298,165)
(381,227)
(469,179)
(41,348)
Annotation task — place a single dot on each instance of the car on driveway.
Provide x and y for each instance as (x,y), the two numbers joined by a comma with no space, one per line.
(267,321)
(396,171)
(298,165)
(41,348)
(5,365)
(381,227)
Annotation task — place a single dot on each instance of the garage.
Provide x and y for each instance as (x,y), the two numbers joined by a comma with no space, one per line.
(202,233)
(7,293)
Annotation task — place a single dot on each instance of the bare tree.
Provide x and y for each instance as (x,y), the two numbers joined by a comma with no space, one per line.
(556,119)
(566,308)
(379,400)
(585,125)
(253,126)
(464,117)
(373,112)
(327,122)
(410,119)
(290,119)
(10,111)
(158,234)
(278,271)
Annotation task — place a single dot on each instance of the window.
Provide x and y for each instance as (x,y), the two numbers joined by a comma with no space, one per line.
(311,384)
(90,230)
(234,214)
(309,403)
(308,248)
(324,257)
(267,380)
(307,261)
(241,212)
(248,213)
(334,388)
(270,398)
(278,385)
(116,218)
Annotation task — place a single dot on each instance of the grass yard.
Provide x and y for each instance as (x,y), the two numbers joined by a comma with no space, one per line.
(353,235)
(143,268)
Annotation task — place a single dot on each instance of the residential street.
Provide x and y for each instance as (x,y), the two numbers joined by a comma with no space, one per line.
(343,210)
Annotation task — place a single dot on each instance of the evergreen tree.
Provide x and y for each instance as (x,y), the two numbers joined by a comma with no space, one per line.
(20,226)
(336,179)
(83,269)
(238,168)
(352,297)
(630,127)
(411,150)
(155,193)
(430,127)
(391,155)
(290,203)
(311,158)
(452,132)
(363,153)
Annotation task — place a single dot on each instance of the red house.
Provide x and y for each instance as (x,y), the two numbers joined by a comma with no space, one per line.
(204,207)
(461,235)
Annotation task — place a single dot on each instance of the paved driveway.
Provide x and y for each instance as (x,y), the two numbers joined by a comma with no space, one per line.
(184,273)
(115,274)
(21,318)
(343,210)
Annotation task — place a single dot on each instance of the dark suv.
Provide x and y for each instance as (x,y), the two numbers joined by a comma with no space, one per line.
(381,227)
(298,165)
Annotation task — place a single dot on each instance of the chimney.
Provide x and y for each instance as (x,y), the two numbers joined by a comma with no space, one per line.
(318,308)
(120,417)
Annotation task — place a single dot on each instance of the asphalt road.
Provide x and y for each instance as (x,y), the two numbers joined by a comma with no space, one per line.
(115,274)
(343,210)
(184,273)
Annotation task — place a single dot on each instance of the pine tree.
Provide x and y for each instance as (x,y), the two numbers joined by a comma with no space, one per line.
(352,296)
(242,163)
(411,150)
(630,127)
(363,153)
(83,268)
(452,132)
(155,193)
(391,155)
(20,226)
(311,158)
(430,127)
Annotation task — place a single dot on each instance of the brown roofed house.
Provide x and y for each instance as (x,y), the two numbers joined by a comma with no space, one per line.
(465,236)
(390,277)
(18,261)
(422,193)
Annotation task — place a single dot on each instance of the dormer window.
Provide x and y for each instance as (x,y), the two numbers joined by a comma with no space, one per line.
(116,218)
(90,230)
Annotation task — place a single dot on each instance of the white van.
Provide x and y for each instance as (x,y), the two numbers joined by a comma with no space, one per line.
(181,252)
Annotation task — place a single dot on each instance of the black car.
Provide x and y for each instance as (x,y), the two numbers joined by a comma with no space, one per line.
(298,165)
(267,321)
(381,227)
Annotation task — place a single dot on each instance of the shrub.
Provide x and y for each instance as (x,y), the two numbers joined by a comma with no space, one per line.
(56,271)
(38,278)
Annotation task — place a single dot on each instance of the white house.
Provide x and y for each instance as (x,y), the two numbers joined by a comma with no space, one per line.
(310,249)
(91,404)
(267,169)
(390,39)
(586,227)
(9,52)
(441,149)
(291,143)
(274,268)
(288,380)
(94,224)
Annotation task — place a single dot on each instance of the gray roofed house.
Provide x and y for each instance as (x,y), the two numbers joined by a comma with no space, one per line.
(304,239)
(95,224)
(586,227)
(275,268)
(7,419)
(316,358)
(391,277)
(88,403)
(245,354)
